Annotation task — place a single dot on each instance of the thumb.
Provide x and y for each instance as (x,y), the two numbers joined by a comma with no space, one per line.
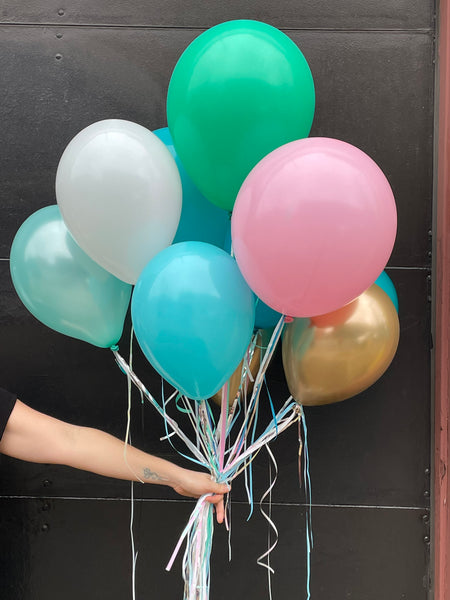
(220,488)
(217,491)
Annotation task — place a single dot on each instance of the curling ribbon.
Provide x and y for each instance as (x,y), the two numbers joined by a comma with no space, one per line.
(268,517)
(194,515)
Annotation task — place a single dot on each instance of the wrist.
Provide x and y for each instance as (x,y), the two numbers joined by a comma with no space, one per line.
(162,472)
(175,476)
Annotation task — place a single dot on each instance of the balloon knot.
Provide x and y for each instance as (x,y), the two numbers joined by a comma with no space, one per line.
(114,348)
(288,319)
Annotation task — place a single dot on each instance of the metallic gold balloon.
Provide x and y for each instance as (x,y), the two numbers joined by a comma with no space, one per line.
(235,380)
(343,356)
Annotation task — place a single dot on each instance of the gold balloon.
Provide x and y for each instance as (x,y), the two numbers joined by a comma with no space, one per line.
(331,359)
(235,380)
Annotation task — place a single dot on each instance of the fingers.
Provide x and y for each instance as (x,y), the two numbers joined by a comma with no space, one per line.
(215,498)
(218,491)
(220,511)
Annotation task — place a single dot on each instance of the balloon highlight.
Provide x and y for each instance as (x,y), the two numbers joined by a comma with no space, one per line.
(62,286)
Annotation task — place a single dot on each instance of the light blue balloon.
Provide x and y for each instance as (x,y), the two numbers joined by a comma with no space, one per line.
(385,283)
(200,220)
(193,315)
(62,286)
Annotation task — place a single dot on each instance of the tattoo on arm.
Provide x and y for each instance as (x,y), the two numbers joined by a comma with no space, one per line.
(152,475)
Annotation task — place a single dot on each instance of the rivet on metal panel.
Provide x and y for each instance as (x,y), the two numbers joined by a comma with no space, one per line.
(58,56)
(61,12)
(59,35)
(46,483)
(45,527)
(426,493)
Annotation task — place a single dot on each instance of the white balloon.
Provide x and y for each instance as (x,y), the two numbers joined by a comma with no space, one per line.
(119,192)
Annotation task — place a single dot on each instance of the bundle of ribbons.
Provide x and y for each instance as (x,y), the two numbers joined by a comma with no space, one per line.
(225,449)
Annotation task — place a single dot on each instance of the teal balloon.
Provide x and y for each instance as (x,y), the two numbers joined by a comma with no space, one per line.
(62,286)
(193,315)
(265,317)
(385,283)
(200,220)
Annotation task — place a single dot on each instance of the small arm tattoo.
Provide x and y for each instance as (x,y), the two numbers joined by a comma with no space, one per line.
(152,475)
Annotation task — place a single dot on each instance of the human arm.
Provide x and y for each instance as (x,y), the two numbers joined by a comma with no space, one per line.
(36,437)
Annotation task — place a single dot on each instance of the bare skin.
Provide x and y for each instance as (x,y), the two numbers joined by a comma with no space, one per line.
(35,437)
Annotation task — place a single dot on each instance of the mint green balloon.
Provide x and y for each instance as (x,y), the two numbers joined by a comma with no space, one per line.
(62,286)
(240,90)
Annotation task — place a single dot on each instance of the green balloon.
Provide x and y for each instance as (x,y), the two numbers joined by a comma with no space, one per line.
(240,90)
(62,286)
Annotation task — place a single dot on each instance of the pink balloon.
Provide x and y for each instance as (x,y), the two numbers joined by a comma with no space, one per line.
(313,226)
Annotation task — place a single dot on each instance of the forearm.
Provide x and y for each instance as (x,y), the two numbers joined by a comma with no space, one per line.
(98,452)
(36,437)
(101,453)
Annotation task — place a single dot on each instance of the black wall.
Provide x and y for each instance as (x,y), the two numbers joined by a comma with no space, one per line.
(64,534)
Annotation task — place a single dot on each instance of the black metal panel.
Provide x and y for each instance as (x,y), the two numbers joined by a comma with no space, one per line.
(376,91)
(353,14)
(81,549)
(371,450)
(373,90)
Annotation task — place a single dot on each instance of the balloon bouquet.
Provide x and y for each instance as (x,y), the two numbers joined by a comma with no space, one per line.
(313,223)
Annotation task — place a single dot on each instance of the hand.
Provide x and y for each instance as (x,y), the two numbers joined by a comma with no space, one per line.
(195,484)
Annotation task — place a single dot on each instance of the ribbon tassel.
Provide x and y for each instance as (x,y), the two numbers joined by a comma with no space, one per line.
(225,456)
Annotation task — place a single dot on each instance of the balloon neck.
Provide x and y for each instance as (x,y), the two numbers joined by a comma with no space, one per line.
(114,348)
(288,319)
